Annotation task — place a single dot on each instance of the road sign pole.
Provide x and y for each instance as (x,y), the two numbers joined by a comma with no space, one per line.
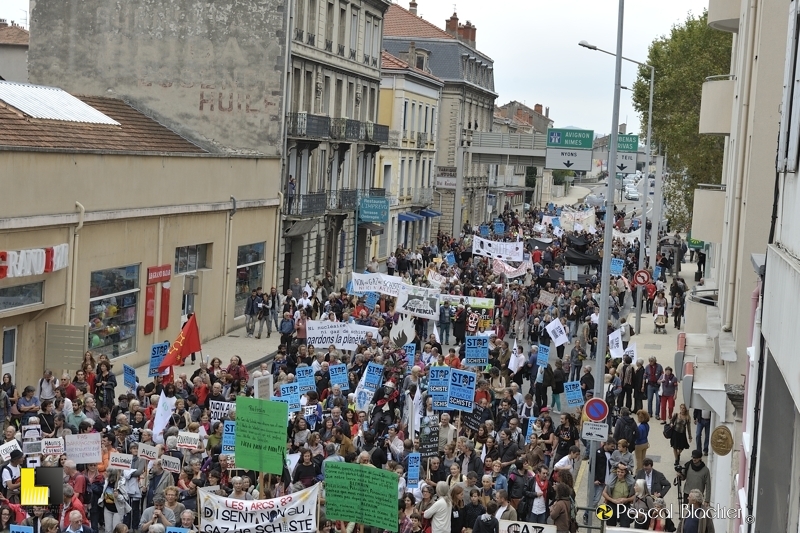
(605,279)
(645,195)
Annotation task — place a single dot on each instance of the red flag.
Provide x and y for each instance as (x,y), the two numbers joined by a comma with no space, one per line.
(188,342)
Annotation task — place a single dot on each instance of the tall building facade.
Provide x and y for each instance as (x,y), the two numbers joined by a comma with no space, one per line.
(333,137)
(467,104)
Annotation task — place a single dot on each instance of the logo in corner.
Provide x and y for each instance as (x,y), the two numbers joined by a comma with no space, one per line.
(604,512)
(42,486)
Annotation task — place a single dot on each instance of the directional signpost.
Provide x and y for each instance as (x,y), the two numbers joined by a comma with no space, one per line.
(627,146)
(569,149)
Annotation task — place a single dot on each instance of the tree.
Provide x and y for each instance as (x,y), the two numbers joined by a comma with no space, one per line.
(683,60)
(559,176)
(530,182)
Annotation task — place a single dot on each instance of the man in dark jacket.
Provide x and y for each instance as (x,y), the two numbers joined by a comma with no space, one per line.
(602,458)
(657,484)
(468,460)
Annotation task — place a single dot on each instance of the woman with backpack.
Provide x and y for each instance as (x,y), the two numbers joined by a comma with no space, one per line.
(562,512)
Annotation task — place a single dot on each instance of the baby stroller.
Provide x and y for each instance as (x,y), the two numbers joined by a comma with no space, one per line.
(660,323)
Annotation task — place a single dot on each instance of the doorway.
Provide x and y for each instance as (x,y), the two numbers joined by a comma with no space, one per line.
(10,351)
(190,289)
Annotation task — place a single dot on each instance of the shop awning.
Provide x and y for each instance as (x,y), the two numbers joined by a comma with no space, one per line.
(300,227)
(408,216)
(430,213)
(375,229)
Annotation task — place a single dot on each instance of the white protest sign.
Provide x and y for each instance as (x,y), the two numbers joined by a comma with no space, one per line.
(419,302)
(32,447)
(52,446)
(7,448)
(120,460)
(546,298)
(219,410)
(83,448)
(188,440)
(296,512)
(615,344)
(631,352)
(148,452)
(263,386)
(171,464)
(381,283)
(557,332)
(507,251)
(342,335)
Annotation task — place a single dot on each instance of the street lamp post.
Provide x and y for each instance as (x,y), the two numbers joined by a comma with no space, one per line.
(645,188)
(608,235)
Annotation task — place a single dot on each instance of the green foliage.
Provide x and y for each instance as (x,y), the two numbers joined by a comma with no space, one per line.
(560,175)
(683,60)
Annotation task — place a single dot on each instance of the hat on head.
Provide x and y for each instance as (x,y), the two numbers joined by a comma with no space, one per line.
(389,384)
(16,454)
(697,454)
(544,410)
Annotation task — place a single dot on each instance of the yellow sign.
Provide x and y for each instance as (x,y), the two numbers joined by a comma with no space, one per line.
(30,493)
(49,492)
(604,512)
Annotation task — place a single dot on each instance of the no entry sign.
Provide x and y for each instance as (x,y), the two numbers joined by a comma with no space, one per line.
(642,277)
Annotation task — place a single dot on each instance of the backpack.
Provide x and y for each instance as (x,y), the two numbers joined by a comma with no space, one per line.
(628,431)
(573,515)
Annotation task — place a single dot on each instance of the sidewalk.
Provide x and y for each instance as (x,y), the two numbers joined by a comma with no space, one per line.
(575,195)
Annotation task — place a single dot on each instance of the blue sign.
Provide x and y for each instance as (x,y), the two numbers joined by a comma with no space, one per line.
(305,379)
(574,394)
(414,461)
(374,209)
(635,223)
(657,273)
(157,354)
(20,529)
(129,375)
(177,530)
(558,212)
(556,222)
(374,377)
(499,228)
(616,266)
(461,392)
(290,393)
(228,436)
(339,376)
(411,354)
(542,355)
(529,433)
(371,300)
(451,258)
(484,231)
(476,352)
(438,382)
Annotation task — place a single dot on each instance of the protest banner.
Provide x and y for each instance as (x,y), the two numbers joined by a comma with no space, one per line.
(474,419)
(381,283)
(484,307)
(229,435)
(83,448)
(557,332)
(438,383)
(292,512)
(290,394)
(574,394)
(343,335)
(188,440)
(411,354)
(414,463)
(157,354)
(361,494)
(120,460)
(260,434)
(615,344)
(429,437)
(53,446)
(616,266)
(371,300)
(218,410)
(262,387)
(304,376)
(148,452)
(506,251)
(436,279)
(500,267)
(129,376)
(542,355)
(171,464)
(512,526)
(338,374)
(8,447)
(476,352)
(461,392)
(419,301)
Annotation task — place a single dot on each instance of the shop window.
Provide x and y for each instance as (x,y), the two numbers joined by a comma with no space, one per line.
(249,274)
(21,295)
(113,301)
(191,258)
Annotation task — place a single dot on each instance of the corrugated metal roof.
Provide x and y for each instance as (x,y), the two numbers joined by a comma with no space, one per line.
(50,103)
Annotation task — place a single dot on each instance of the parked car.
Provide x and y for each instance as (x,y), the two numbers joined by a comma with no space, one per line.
(632,194)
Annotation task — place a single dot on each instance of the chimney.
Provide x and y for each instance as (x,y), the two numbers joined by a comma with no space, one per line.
(451,26)
(412,6)
(623,128)
(412,54)
(472,30)
(538,108)
(547,112)
(3,23)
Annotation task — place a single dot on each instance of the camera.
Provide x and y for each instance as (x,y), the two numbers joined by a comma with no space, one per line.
(679,469)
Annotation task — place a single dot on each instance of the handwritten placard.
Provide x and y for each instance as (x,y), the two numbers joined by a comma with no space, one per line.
(120,460)
(83,448)
(171,464)
(148,452)
(361,494)
(260,439)
(188,440)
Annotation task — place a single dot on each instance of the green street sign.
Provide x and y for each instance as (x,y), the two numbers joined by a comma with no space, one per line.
(374,209)
(694,244)
(627,143)
(566,138)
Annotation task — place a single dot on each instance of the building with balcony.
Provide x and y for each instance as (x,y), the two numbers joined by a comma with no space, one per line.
(409,105)
(507,182)
(742,360)
(466,104)
(332,137)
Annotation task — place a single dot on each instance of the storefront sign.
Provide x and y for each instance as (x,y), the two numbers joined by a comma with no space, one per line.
(34,262)
(446,177)
(158,274)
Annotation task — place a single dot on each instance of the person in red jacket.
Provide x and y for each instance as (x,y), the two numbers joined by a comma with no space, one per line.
(72,503)
(651,294)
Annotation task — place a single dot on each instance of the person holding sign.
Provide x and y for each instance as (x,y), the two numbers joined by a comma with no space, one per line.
(114,499)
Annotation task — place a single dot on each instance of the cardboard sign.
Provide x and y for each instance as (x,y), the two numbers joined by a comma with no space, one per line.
(188,440)
(52,446)
(7,448)
(290,393)
(120,460)
(358,493)
(262,387)
(83,448)
(148,452)
(260,440)
(219,410)
(171,464)
(461,392)
(476,352)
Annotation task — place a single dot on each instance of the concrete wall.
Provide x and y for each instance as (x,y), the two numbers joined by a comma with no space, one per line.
(208,70)
(14,63)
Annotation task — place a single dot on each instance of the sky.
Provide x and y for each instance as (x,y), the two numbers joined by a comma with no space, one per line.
(534,45)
